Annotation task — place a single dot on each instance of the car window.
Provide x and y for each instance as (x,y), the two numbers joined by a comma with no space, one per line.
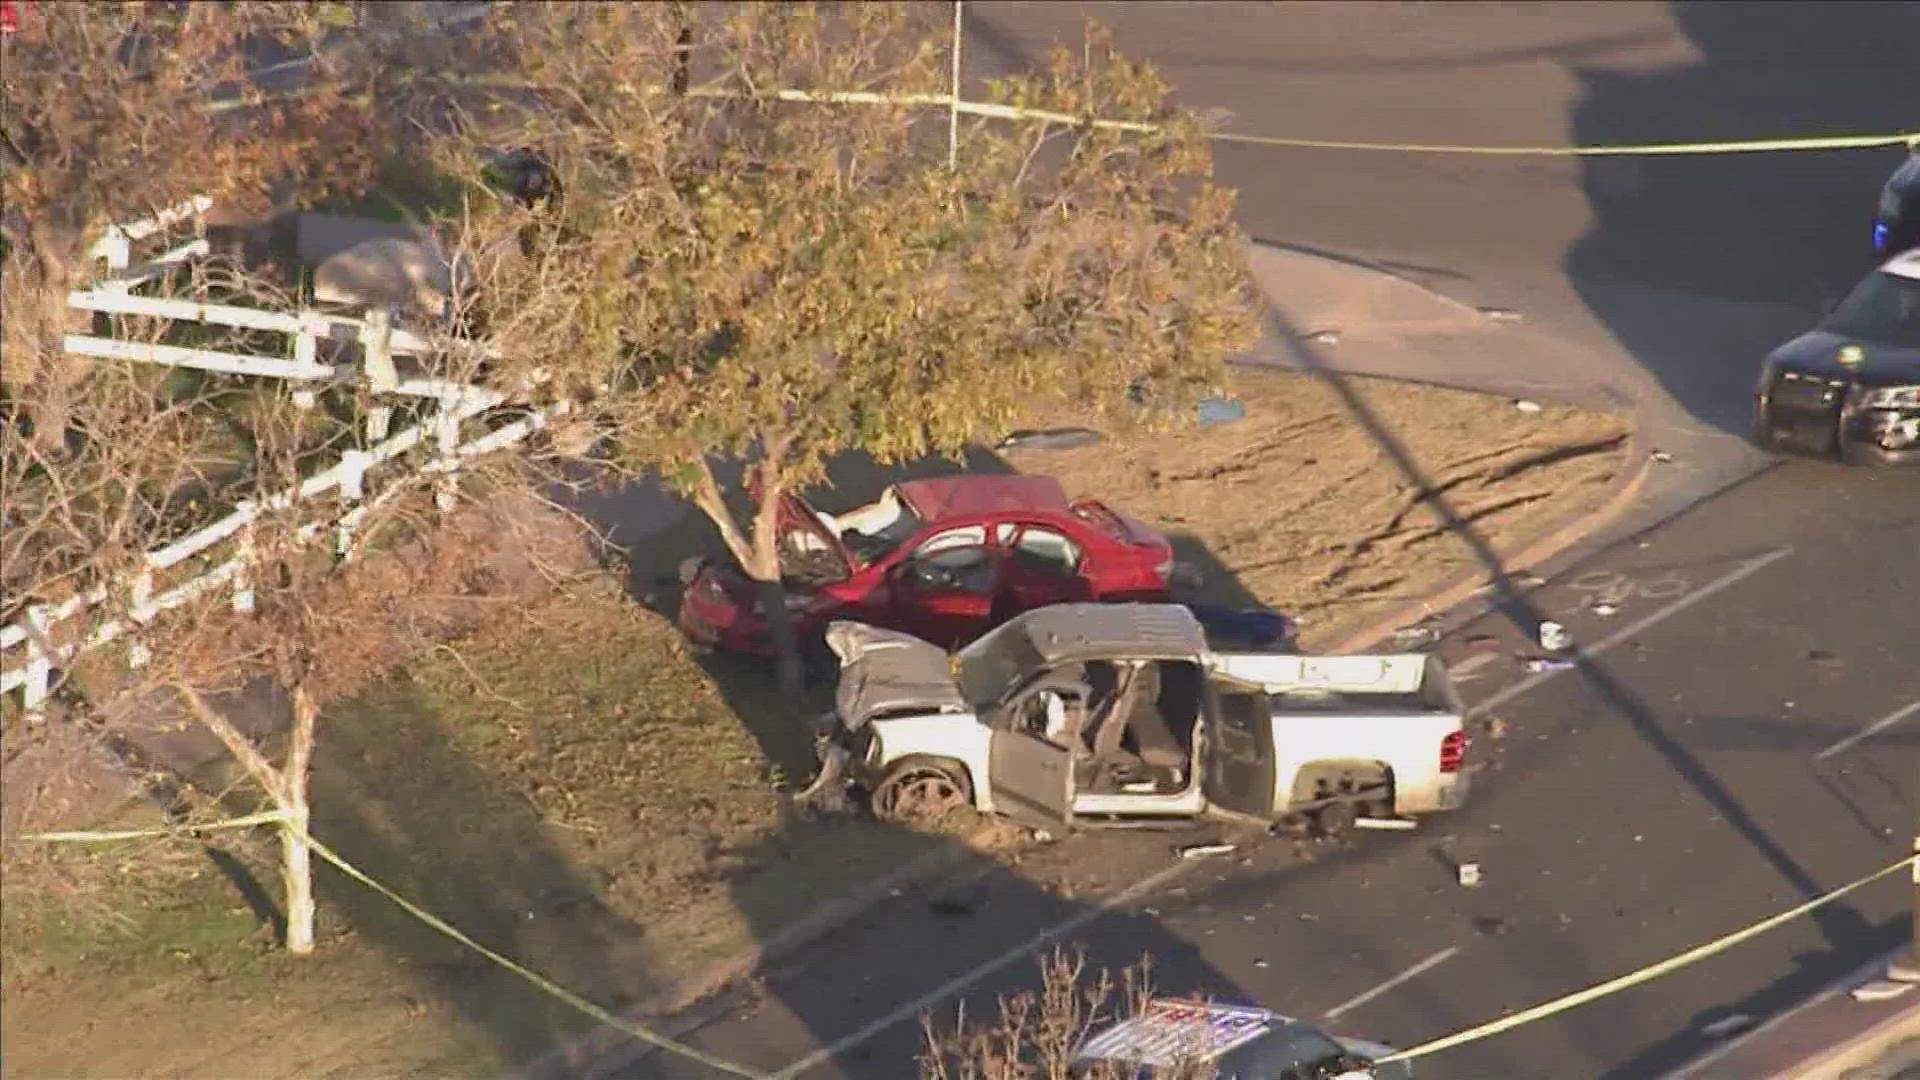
(959,569)
(965,536)
(1883,308)
(1046,551)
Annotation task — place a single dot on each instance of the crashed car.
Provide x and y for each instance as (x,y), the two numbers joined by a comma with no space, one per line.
(1896,222)
(1851,385)
(944,559)
(1234,1042)
(1120,713)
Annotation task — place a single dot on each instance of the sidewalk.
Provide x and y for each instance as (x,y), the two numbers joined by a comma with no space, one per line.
(1829,1037)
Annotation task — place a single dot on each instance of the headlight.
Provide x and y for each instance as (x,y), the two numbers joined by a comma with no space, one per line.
(1888,397)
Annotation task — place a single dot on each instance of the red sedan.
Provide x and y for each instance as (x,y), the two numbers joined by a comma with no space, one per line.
(944,559)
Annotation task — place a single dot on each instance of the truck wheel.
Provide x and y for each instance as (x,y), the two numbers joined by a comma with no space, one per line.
(921,790)
(1335,819)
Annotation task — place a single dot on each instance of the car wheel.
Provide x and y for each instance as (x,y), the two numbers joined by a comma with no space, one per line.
(922,790)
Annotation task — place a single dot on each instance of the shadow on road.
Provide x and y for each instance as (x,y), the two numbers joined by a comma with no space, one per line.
(1699,265)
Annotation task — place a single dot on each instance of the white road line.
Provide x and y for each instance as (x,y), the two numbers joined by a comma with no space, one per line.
(1732,577)
(960,982)
(1429,963)
(1867,732)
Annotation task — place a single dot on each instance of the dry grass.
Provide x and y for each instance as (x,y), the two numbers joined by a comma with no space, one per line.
(1295,507)
(566,784)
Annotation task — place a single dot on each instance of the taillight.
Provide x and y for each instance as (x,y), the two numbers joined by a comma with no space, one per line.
(1453,751)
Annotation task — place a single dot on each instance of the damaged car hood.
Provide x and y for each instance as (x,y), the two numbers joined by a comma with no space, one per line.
(1880,363)
(886,671)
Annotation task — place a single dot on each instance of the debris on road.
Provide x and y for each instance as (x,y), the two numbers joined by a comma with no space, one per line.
(1324,337)
(1201,851)
(1880,990)
(1384,823)
(1554,637)
(1066,438)
(1470,875)
(1410,636)
(1526,406)
(1215,411)
(1500,314)
(1662,457)
(1542,664)
(1606,611)
(1496,728)
(1726,1026)
(1824,658)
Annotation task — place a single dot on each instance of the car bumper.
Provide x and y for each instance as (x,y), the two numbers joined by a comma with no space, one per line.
(1829,427)
(722,624)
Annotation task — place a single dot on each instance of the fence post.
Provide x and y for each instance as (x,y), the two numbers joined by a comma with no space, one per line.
(39,664)
(140,610)
(243,597)
(446,430)
(118,251)
(306,347)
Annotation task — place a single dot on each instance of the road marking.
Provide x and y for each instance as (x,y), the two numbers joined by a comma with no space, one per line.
(1868,732)
(960,982)
(1465,669)
(1730,578)
(1429,963)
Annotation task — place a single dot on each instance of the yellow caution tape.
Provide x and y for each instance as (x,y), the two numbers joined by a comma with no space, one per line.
(1645,974)
(265,817)
(428,917)
(1010,112)
(534,977)
(1747,146)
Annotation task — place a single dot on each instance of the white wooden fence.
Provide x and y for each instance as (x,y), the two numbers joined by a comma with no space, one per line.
(27,646)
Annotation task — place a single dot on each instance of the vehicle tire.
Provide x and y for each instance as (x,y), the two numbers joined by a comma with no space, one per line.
(919,790)
(1335,819)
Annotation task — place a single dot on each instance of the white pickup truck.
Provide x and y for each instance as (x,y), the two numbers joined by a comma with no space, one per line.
(1110,713)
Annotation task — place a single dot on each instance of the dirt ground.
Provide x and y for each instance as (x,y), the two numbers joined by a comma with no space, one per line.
(572,787)
(1299,508)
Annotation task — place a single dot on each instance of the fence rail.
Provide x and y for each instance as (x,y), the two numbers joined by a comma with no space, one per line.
(379,340)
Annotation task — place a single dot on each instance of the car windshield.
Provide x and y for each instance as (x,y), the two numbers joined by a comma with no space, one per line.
(1883,308)
(993,665)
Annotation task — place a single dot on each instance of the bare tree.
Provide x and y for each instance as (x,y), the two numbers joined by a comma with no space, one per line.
(1038,1036)
(736,276)
(110,114)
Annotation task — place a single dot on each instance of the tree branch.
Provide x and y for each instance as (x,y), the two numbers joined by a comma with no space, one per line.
(237,744)
(706,495)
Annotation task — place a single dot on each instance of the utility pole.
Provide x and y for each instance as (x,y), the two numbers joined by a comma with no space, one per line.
(953,103)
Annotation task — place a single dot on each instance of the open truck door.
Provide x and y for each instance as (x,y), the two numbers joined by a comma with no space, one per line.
(1031,760)
(1237,774)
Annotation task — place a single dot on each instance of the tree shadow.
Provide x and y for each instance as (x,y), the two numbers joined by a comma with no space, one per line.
(1841,924)
(1700,264)
(394,798)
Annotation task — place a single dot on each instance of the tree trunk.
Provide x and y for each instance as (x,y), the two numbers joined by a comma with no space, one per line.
(759,555)
(298,866)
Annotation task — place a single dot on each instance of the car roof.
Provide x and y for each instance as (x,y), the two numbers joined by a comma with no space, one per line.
(942,497)
(1063,632)
(1906,265)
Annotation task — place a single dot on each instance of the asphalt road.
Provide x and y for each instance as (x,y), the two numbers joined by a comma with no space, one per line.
(1672,789)
(1669,792)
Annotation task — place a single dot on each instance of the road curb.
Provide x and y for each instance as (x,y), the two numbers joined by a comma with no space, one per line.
(1626,490)
(672,1012)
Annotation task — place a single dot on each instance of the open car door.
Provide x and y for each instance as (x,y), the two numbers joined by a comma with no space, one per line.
(810,553)
(1031,771)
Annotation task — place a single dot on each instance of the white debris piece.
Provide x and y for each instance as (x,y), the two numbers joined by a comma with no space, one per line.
(1470,875)
(1726,1026)
(1201,851)
(1526,406)
(1554,637)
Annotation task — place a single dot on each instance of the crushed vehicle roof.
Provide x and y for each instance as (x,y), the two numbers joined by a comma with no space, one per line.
(884,671)
(1093,631)
(961,496)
